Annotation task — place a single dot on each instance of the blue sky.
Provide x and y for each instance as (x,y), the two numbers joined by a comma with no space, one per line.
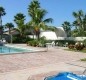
(59,10)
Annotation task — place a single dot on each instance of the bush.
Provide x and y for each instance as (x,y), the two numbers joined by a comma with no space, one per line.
(71,46)
(33,43)
(84,59)
(84,42)
(40,43)
(79,46)
(63,42)
(20,39)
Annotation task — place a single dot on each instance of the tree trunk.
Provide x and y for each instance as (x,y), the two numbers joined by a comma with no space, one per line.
(0,21)
(38,34)
(11,38)
(1,29)
(10,34)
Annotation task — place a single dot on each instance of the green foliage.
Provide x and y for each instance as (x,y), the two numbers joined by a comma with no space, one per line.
(84,42)
(33,43)
(63,42)
(79,46)
(84,59)
(40,43)
(9,26)
(20,39)
(37,15)
(71,46)
(2,13)
(79,23)
(19,19)
(67,28)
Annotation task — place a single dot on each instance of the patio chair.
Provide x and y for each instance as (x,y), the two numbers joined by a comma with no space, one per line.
(52,44)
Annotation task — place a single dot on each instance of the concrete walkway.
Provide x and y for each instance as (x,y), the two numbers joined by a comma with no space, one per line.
(29,73)
(38,65)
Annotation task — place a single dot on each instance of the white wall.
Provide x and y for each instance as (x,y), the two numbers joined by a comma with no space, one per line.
(50,35)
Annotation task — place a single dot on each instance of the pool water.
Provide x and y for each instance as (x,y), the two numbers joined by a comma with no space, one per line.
(66,76)
(11,50)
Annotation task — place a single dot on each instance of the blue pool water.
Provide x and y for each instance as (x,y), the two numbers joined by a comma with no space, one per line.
(66,76)
(11,50)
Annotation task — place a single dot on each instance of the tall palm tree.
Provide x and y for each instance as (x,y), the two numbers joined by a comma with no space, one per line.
(79,15)
(34,5)
(9,26)
(80,22)
(2,13)
(37,15)
(84,22)
(19,20)
(67,28)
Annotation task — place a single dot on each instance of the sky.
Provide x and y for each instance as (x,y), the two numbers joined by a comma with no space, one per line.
(58,10)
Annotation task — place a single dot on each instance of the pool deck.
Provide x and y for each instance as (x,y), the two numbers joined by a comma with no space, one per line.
(37,65)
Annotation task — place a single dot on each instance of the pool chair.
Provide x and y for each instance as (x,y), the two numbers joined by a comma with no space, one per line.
(66,76)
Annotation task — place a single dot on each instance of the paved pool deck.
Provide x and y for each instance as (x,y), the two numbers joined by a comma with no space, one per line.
(37,65)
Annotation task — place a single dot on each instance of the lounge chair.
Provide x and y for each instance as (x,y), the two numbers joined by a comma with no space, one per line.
(51,44)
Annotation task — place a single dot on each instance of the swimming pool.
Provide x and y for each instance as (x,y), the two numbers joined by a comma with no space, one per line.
(66,76)
(12,50)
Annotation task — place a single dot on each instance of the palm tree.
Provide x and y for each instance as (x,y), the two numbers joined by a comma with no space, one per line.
(67,28)
(84,22)
(34,5)
(10,27)
(37,15)
(2,13)
(19,20)
(79,15)
(80,22)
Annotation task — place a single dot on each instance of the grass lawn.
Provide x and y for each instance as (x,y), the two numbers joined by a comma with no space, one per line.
(84,59)
(84,50)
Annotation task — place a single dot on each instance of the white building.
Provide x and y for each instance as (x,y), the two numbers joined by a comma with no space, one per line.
(60,32)
(51,35)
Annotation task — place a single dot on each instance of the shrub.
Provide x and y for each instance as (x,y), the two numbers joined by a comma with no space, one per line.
(79,46)
(63,42)
(40,43)
(71,46)
(33,43)
(84,59)
(20,39)
(84,42)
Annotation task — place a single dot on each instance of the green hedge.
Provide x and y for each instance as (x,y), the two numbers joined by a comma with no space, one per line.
(20,39)
(63,42)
